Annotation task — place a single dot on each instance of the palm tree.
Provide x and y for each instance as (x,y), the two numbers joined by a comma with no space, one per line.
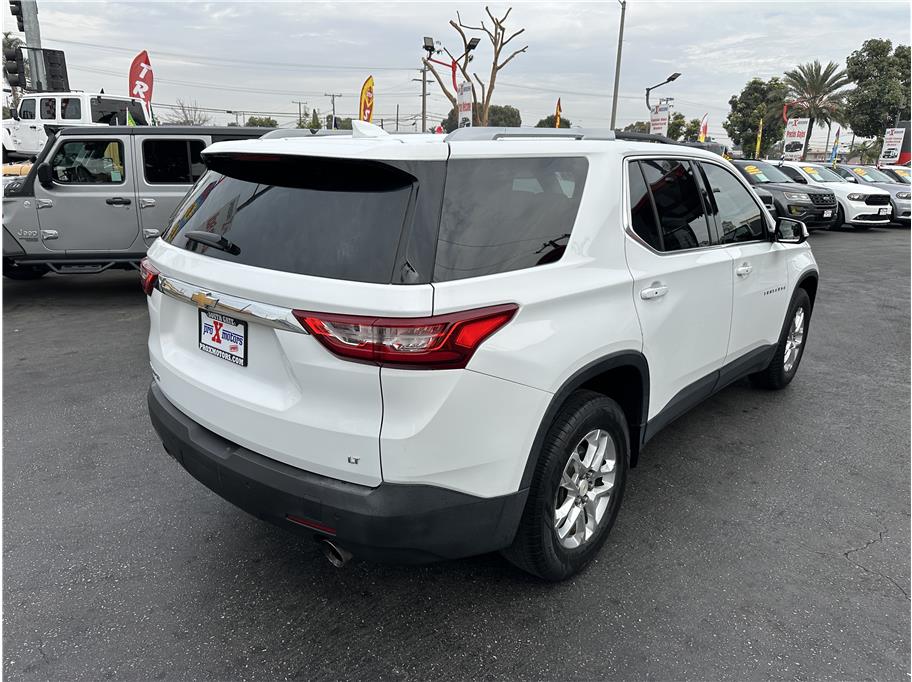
(816,89)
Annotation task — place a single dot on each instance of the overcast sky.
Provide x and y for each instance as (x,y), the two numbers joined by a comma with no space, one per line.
(260,56)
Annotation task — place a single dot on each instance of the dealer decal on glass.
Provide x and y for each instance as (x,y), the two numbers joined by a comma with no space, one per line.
(224,337)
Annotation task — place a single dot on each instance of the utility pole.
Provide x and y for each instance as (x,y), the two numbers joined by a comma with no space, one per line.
(617,65)
(33,40)
(397,118)
(300,111)
(424,98)
(333,96)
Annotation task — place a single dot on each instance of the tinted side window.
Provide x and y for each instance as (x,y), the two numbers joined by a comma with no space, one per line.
(48,108)
(167,162)
(642,214)
(197,167)
(89,162)
(793,174)
(737,215)
(501,215)
(682,218)
(71,108)
(27,109)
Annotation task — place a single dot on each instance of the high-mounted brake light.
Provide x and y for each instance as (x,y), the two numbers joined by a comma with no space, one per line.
(148,275)
(437,342)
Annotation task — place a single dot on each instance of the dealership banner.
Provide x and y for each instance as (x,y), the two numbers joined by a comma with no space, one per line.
(796,131)
(557,114)
(141,80)
(366,104)
(704,128)
(659,117)
(892,146)
(464,101)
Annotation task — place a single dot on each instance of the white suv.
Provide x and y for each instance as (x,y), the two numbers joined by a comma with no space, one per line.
(424,347)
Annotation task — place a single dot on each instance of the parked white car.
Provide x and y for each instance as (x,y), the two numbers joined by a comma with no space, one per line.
(24,135)
(426,347)
(859,206)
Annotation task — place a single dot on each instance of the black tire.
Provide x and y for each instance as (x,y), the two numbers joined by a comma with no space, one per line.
(840,219)
(775,376)
(24,272)
(536,548)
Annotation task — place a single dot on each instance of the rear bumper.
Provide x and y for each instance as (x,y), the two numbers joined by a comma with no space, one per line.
(391,522)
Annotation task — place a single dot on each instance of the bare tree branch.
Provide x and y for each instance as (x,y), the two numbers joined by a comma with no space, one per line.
(522,30)
(507,61)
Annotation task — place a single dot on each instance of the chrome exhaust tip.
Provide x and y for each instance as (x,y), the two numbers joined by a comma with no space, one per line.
(337,556)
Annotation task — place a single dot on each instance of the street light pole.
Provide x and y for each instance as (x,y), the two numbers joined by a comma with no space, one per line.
(672,77)
(423,97)
(617,65)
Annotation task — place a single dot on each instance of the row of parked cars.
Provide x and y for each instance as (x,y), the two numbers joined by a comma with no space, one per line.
(830,196)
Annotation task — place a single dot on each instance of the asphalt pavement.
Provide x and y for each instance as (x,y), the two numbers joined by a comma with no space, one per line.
(763,536)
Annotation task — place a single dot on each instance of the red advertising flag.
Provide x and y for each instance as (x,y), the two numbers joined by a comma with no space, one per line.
(141,78)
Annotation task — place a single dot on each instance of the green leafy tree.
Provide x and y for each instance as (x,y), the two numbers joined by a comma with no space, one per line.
(758,100)
(548,122)
(315,122)
(676,125)
(499,116)
(691,130)
(637,127)
(818,91)
(262,122)
(881,94)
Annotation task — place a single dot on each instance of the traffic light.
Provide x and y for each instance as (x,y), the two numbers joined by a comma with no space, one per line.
(55,71)
(13,67)
(16,11)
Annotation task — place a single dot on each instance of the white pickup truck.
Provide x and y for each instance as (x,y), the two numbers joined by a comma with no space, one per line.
(24,136)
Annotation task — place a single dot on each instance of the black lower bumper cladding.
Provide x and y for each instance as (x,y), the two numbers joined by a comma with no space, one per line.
(392,522)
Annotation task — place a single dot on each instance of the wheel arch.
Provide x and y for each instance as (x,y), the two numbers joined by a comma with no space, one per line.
(622,376)
(808,282)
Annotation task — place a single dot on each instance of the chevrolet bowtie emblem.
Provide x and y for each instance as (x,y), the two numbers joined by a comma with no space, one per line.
(203,300)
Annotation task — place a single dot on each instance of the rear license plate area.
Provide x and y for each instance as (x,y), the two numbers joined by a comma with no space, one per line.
(223,336)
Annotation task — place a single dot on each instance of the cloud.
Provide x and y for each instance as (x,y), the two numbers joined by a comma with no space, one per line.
(276,52)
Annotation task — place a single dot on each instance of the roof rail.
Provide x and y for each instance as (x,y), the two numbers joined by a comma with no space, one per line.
(480,134)
(641,137)
(303,132)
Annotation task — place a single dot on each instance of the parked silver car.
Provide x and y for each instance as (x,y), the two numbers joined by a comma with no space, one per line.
(97,197)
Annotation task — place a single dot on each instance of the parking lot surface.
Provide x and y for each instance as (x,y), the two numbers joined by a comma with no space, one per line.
(764,535)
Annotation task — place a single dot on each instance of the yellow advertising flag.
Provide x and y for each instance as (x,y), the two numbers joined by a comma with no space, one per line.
(557,113)
(366,105)
(759,138)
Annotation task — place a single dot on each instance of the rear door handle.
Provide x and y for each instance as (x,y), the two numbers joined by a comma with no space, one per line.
(146,203)
(653,292)
(117,201)
(744,269)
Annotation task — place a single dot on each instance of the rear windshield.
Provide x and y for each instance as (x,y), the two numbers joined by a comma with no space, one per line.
(321,217)
(399,222)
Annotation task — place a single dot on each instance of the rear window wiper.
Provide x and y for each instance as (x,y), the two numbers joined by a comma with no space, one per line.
(214,240)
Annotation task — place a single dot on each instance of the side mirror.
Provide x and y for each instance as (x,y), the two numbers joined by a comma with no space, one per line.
(14,114)
(790,231)
(45,176)
(801,179)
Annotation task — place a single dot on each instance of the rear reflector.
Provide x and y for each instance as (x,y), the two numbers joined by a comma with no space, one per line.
(148,276)
(316,525)
(437,342)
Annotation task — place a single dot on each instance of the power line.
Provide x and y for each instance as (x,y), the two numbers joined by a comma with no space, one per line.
(236,63)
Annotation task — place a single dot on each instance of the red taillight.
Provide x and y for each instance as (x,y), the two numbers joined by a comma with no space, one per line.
(438,342)
(148,276)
